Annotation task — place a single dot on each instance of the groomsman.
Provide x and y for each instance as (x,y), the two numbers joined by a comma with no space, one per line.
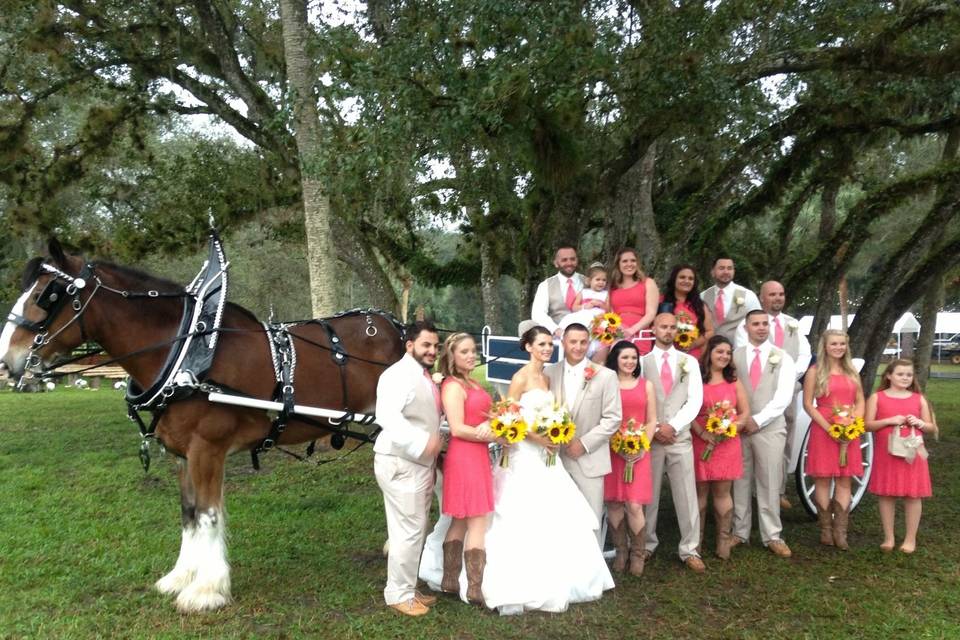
(679,389)
(726,300)
(404,462)
(784,334)
(769,376)
(594,404)
(555,295)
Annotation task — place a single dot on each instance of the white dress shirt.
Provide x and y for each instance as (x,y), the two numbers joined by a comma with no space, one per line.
(572,381)
(691,408)
(786,371)
(540,309)
(803,355)
(395,390)
(750,300)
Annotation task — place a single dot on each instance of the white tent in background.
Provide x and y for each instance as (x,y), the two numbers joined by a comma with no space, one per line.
(906,324)
(948,323)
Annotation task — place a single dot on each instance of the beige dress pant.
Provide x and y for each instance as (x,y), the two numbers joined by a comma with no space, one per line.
(677,461)
(762,471)
(591,488)
(407,494)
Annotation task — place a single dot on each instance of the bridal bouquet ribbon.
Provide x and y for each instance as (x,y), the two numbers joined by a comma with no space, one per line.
(607,328)
(845,428)
(507,422)
(721,422)
(687,331)
(629,440)
(555,423)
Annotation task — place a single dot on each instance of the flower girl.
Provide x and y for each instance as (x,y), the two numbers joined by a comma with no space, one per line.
(899,415)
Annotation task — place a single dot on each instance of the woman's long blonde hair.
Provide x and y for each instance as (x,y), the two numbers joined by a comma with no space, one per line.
(446,366)
(822,384)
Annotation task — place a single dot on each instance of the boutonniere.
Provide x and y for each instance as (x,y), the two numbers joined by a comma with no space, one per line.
(588,374)
(739,300)
(683,367)
(437,377)
(792,327)
(774,359)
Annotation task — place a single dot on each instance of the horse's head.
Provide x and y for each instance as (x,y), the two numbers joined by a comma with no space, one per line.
(43,322)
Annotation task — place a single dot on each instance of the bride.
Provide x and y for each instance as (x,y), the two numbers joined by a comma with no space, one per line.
(542,551)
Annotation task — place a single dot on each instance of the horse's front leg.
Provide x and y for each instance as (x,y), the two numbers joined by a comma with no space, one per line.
(210,588)
(185,569)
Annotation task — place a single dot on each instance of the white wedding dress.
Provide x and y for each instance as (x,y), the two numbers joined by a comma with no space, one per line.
(542,551)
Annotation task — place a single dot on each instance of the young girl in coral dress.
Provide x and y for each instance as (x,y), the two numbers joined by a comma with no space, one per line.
(724,464)
(634,297)
(467,478)
(898,407)
(835,386)
(624,499)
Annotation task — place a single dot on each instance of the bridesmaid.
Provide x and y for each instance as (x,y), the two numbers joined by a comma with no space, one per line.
(833,382)
(626,499)
(634,296)
(898,404)
(681,297)
(715,476)
(467,478)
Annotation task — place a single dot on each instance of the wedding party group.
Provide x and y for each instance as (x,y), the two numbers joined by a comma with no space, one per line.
(697,386)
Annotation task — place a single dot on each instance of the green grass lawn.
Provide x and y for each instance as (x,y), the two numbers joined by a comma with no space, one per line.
(84,533)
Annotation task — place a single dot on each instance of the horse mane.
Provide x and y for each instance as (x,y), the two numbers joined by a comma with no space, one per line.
(141,279)
(30,273)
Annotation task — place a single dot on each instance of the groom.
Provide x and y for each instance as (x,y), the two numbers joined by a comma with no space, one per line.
(592,394)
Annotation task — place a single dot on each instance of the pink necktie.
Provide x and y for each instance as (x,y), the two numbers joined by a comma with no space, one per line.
(755,369)
(718,306)
(571,294)
(436,392)
(777,332)
(666,375)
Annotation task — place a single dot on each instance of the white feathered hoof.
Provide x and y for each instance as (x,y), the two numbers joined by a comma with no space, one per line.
(174,582)
(195,599)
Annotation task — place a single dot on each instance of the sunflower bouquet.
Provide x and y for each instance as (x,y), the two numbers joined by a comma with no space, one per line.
(845,428)
(721,422)
(687,331)
(607,328)
(507,422)
(629,440)
(555,423)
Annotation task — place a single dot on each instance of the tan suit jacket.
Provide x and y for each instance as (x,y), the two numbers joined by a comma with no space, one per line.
(596,411)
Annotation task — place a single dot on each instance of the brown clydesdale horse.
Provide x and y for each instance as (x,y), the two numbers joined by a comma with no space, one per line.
(199,432)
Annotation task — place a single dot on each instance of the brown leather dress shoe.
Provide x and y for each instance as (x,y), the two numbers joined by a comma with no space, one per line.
(695,564)
(784,503)
(425,599)
(411,607)
(780,549)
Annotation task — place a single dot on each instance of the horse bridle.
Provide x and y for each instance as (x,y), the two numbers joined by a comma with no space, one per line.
(52,299)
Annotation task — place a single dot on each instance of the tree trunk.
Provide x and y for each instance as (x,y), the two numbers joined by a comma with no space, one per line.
(827,290)
(932,302)
(316,203)
(490,285)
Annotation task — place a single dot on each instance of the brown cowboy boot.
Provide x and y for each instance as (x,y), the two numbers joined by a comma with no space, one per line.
(724,536)
(452,563)
(618,535)
(637,552)
(476,560)
(825,522)
(840,521)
